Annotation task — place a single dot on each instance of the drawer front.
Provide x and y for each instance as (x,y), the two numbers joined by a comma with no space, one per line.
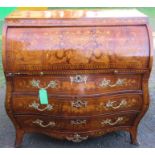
(79,136)
(78,84)
(77,106)
(75,124)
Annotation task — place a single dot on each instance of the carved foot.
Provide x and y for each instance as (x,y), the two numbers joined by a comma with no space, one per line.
(19,137)
(133,136)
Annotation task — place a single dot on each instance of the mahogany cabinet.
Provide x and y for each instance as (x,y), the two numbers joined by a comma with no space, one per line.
(93,65)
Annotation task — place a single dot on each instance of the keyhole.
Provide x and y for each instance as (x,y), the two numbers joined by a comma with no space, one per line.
(79,102)
(78,78)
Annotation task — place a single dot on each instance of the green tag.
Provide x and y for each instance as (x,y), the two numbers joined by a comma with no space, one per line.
(43,96)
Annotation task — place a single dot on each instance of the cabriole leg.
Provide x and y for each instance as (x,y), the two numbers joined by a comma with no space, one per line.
(19,137)
(133,136)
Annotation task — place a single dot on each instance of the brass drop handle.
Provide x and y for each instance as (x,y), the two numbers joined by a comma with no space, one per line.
(35,106)
(41,123)
(36,83)
(78,103)
(110,104)
(107,83)
(76,138)
(109,121)
(78,122)
(78,79)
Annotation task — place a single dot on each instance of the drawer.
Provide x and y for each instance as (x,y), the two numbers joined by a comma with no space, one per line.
(78,136)
(77,84)
(75,124)
(77,106)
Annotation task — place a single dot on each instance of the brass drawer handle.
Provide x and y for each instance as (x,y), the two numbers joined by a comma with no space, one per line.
(35,106)
(41,123)
(78,122)
(78,79)
(78,103)
(107,83)
(109,121)
(110,104)
(36,83)
(76,138)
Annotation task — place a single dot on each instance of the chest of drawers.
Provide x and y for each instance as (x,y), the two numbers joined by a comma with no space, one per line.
(94,67)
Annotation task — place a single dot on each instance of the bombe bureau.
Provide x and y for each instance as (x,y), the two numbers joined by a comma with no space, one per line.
(90,67)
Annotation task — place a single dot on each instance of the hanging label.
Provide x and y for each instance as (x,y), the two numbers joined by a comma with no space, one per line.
(43,96)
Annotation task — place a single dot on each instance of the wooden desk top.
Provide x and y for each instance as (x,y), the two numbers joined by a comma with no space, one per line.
(63,14)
